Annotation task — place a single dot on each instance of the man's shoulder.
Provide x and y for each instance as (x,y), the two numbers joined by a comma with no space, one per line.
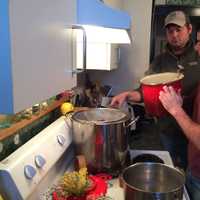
(192,56)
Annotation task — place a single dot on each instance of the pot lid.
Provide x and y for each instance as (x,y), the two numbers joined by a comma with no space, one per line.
(161,78)
(99,116)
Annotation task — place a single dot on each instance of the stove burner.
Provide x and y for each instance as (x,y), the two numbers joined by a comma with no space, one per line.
(147,158)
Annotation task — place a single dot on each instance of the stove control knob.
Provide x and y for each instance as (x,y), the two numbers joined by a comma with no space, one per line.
(29,171)
(39,161)
(61,140)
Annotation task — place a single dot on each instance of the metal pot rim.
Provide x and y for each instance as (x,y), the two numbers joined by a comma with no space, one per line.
(122,120)
(151,163)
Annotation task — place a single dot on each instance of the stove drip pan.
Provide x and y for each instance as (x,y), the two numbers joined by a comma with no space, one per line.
(147,158)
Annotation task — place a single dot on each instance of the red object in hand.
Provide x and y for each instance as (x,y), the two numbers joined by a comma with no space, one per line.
(151,87)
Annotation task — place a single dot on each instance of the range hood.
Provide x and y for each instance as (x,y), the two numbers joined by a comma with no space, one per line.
(99,29)
(97,13)
(97,34)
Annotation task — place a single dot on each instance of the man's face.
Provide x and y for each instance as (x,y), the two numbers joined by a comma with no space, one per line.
(178,36)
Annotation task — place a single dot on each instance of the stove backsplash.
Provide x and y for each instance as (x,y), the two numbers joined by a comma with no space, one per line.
(89,93)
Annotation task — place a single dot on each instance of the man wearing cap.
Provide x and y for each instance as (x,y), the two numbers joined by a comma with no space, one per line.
(179,55)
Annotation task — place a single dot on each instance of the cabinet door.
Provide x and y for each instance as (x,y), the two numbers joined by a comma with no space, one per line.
(41,50)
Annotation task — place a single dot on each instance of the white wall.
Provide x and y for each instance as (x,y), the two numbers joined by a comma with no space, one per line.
(135,57)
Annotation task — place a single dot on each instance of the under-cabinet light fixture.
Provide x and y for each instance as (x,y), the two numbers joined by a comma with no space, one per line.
(97,34)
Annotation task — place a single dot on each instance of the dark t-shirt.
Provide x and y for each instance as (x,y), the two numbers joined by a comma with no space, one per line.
(168,62)
(189,60)
(193,152)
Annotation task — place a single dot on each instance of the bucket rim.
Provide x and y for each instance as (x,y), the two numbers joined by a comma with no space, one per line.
(177,77)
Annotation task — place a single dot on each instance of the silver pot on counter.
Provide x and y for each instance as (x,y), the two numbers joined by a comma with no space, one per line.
(152,181)
(101,135)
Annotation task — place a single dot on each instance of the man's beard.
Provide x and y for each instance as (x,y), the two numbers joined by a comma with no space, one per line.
(178,47)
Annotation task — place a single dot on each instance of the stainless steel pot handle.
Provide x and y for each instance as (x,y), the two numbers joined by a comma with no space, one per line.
(68,118)
(133,121)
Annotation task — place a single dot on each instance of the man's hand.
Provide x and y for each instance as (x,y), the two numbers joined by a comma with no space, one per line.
(119,99)
(197,47)
(171,100)
(133,96)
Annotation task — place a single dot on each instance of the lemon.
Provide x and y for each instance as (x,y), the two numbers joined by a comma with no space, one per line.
(66,108)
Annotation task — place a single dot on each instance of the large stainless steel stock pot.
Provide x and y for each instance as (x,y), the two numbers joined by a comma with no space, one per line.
(101,135)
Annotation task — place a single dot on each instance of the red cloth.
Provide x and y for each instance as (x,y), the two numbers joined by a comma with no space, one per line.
(193,152)
(98,188)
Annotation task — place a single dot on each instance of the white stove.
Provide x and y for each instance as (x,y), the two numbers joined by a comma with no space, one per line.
(38,164)
(163,155)
(30,171)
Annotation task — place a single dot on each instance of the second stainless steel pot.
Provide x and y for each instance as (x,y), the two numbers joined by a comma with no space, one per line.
(153,181)
(101,135)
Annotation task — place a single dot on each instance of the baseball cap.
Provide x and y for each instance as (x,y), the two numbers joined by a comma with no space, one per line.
(177,17)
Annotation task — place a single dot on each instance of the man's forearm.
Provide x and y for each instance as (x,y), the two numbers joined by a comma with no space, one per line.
(189,127)
(134,96)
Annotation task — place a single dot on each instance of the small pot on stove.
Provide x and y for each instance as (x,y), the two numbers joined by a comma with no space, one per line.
(152,181)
